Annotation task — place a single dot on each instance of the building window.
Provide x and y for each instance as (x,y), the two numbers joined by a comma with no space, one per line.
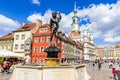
(42,40)
(41,30)
(35,61)
(27,46)
(48,39)
(36,40)
(36,49)
(41,49)
(16,46)
(17,37)
(45,30)
(73,20)
(23,37)
(22,46)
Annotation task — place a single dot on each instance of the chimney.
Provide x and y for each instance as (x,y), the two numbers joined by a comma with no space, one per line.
(38,23)
(24,23)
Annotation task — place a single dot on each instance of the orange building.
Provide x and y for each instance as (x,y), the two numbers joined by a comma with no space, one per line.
(40,41)
(99,52)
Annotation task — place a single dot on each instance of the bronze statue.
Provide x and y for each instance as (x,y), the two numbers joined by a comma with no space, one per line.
(52,50)
(56,17)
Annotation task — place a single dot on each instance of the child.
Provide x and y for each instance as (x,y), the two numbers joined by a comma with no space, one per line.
(114,72)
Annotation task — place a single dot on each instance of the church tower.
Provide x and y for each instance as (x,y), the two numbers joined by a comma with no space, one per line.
(75,27)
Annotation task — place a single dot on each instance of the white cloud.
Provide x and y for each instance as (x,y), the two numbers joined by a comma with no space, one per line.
(7,24)
(103,20)
(65,23)
(36,2)
(45,18)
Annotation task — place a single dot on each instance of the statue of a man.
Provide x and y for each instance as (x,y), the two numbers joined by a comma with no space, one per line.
(56,17)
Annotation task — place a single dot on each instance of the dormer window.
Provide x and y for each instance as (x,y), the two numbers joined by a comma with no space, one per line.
(25,27)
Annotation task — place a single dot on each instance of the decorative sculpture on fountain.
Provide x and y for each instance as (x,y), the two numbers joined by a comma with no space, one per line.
(56,17)
(52,50)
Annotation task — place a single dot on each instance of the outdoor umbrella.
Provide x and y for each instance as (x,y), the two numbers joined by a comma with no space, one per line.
(6,53)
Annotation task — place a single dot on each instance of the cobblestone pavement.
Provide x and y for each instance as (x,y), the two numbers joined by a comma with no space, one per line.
(103,74)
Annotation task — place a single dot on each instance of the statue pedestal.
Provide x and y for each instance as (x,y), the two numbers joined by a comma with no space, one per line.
(51,62)
(37,72)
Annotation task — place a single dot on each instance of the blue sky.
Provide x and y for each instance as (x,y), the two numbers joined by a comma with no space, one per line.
(102,17)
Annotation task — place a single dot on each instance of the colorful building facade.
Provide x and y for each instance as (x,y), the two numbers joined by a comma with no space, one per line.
(6,42)
(23,37)
(41,40)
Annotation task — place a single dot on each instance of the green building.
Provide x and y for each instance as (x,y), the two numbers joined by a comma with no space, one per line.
(6,42)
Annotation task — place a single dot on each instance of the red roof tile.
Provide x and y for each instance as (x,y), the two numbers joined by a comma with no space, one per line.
(8,36)
(26,27)
(117,46)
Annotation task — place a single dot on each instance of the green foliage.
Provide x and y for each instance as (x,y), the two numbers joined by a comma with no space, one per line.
(1,60)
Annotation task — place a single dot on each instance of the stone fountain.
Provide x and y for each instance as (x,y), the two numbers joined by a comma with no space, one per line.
(52,70)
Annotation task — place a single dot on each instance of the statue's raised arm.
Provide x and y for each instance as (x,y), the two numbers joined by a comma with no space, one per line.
(56,17)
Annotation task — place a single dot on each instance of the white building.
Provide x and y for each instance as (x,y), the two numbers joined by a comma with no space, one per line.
(23,37)
(89,47)
(86,38)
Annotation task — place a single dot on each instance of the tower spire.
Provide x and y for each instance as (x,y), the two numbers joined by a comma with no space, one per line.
(75,27)
(75,17)
(75,6)
(75,10)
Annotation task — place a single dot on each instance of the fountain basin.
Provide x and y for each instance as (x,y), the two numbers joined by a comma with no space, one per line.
(63,72)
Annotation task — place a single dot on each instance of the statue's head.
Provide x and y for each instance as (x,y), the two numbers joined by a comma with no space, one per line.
(56,15)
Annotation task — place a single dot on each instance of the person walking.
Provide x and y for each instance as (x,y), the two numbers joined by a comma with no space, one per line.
(5,66)
(9,65)
(114,72)
(99,66)
(110,65)
(93,65)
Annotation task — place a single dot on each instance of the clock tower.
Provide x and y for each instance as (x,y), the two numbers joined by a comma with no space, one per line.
(75,27)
